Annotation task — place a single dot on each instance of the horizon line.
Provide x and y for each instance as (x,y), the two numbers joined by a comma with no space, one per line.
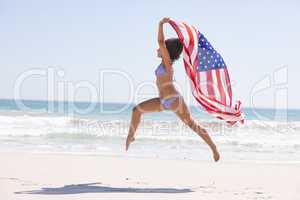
(85,101)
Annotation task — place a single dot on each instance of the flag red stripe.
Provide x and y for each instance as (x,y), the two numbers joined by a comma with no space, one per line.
(228,86)
(191,39)
(176,28)
(209,85)
(220,87)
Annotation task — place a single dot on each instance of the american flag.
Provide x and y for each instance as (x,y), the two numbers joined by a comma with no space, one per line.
(208,74)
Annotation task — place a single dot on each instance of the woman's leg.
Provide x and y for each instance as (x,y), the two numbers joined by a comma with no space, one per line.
(151,105)
(182,111)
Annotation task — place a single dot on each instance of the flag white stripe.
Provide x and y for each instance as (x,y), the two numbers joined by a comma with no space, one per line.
(203,83)
(223,80)
(215,85)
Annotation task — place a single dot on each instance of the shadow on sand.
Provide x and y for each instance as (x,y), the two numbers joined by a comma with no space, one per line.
(93,188)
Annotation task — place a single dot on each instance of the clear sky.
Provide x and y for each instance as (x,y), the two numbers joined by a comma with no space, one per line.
(82,38)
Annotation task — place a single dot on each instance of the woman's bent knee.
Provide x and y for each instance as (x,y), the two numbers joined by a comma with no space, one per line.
(136,110)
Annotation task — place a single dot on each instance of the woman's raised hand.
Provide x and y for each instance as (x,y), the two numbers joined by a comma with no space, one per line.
(164,20)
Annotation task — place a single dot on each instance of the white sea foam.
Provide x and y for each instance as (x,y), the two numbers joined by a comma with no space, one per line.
(27,125)
(79,134)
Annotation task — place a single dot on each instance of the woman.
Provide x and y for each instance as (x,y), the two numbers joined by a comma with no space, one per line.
(169,98)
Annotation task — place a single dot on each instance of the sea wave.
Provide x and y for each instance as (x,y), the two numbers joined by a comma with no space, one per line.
(277,140)
(41,125)
(253,132)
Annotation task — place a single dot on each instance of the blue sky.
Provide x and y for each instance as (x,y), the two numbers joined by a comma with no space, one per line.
(81,38)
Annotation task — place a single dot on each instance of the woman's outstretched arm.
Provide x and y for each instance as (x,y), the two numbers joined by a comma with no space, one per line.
(162,45)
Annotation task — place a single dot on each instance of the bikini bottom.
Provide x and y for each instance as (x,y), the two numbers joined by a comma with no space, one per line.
(167,102)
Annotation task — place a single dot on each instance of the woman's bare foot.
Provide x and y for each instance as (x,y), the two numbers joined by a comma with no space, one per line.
(129,140)
(216,154)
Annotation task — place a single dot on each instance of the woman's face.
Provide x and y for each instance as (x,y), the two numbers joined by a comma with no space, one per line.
(158,53)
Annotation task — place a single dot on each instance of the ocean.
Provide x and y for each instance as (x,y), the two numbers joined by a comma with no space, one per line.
(268,135)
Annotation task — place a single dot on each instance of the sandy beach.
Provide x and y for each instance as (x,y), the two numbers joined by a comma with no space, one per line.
(70,176)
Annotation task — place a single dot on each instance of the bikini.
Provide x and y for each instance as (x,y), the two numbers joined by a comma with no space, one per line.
(167,102)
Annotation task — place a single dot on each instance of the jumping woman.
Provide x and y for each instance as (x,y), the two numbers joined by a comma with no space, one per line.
(169,98)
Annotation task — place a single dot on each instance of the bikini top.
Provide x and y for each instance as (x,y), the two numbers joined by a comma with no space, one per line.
(160,70)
